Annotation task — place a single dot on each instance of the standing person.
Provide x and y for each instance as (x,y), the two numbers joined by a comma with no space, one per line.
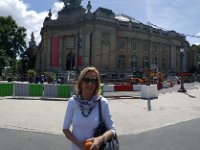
(83,112)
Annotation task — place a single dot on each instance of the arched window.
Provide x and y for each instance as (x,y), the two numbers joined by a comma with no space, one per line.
(70,61)
(134,46)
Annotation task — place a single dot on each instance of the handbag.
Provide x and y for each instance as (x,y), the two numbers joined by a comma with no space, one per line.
(112,144)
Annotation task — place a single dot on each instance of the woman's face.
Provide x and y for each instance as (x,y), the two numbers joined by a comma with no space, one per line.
(89,84)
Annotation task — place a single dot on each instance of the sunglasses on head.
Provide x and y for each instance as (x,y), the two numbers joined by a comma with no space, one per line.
(88,80)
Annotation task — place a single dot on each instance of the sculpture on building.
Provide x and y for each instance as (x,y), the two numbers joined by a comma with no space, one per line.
(50,13)
(71,3)
(89,7)
(47,18)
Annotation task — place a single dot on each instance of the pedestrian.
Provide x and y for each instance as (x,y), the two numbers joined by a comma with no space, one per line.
(83,112)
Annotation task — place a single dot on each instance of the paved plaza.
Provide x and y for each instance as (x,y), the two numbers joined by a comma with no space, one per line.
(131,115)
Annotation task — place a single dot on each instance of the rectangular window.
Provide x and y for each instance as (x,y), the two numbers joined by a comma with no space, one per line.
(134,61)
(145,47)
(121,61)
(163,50)
(145,62)
(155,60)
(163,66)
(70,42)
(155,49)
(122,43)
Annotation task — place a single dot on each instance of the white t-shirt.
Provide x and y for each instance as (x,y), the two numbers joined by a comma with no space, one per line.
(84,127)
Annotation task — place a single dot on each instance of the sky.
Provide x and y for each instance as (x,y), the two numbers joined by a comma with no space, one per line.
(182,16)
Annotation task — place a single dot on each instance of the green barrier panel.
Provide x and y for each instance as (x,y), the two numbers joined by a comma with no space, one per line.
(35,90)
(6,89)
(64,91)
(1,89)
(101,90)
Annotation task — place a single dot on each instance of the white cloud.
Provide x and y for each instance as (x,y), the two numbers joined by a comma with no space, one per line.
(56,7)
(29,19)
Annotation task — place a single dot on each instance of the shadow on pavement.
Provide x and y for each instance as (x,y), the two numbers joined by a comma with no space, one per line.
(190,95)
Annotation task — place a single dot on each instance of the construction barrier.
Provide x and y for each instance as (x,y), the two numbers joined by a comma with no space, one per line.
(108,88)
(137,87)
(166,84)
(149,91)
(64,91)
(159,86)
(123,87)
(21,89)
(6,89)
(50,90)
(35,90)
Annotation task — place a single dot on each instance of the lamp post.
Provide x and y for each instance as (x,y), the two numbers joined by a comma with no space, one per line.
(182,88)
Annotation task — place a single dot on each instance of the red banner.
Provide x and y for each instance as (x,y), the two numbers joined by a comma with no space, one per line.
(183,74)
(79,62)
(54,55)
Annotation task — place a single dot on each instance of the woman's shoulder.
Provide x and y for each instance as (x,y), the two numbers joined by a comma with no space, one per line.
(103,99)
(72,99)
(72,102)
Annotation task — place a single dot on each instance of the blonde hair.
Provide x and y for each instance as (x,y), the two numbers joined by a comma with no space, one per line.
(82,75)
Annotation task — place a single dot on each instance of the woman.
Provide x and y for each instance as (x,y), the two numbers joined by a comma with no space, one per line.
(83,112)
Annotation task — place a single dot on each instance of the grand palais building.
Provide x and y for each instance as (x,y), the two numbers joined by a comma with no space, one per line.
(116,44)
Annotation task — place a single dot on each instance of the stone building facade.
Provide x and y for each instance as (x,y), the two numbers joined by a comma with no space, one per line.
(117,45)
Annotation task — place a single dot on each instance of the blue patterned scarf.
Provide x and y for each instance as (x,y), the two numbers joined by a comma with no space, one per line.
(86,106)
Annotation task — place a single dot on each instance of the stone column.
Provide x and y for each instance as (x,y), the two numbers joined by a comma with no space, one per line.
(86,52)
(173,58)
(129,54)
(184,60)
(60,63)
(49,53)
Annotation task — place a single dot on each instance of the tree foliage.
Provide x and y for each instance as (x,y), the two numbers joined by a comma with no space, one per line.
(12,37)
(196,49)
(12,41)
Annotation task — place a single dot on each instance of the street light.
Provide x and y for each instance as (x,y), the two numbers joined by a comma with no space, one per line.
(182,88)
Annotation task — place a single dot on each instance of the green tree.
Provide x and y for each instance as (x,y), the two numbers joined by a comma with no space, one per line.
(196,49)
(2,60)
(12,41)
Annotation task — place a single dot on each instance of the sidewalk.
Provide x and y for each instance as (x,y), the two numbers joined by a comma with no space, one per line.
(130,115)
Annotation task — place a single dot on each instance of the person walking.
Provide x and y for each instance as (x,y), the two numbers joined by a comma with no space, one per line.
(82,112)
